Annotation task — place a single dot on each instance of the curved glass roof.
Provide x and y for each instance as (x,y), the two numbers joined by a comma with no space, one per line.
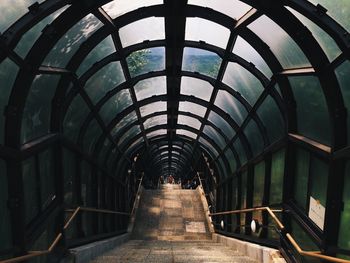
(174,80)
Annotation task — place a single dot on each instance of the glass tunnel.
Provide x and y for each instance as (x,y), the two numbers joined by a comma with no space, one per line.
(250,96)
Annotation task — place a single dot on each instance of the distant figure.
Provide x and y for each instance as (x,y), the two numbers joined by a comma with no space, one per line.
(170,179)
(161,179)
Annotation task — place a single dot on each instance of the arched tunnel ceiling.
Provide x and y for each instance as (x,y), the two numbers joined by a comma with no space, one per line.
(171,81)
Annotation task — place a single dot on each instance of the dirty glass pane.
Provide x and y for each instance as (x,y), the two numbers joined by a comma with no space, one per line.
(254,137)
(237,145)
(154,121)
(343,73)
(272,119)
(29,38)
(5,223)
(47,179)
(75,116)
(92,134)
(241,80)
(344,233)
(213,151)
(71,41)
(319,180)
(102,50)
(219,122)
(151,28)
(146,60)
(128,119)
(118,7)
(129,134)
(150,87)
(201,61)
(115,105)
(282,45)
(326,41)
(153,107)
(186,133)
(104,80)
(259,183)
(37,111)
(231,105)
(192,107)
(196,87)
(156,133)
(199,29)
(215,136)
(231,160)
(8,73)
(243,49)
(277,176)
(30,184)
(301,177)
(189,121)
(232,8)
(303,239)
(313,116)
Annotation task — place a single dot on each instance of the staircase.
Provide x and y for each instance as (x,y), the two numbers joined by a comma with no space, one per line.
(171,226)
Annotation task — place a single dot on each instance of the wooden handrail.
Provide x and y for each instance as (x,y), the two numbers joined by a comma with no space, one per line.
(314,254)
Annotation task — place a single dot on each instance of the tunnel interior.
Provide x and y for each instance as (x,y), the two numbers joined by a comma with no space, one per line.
(248,98)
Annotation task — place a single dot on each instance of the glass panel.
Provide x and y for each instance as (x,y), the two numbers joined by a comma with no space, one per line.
(5,223)
(30,184)
(231,105)
(105,147)
(150,87)
(75,116)
(92,134)
(326,42)
(231,160)
(301,177)
(219,122)
(104,80)
(189,121)
(102,50)
(12,10)
(223,167)
(47,180)
(8,73)
(213,151)
(196,87)
(146,60)
(70,42)
(29,38)
(132,146)
(254,137)
(282,45)
(277,176)
(115,105)
(119,7)
(319,180)
(259,183)
(153,107)
(244,192)
(313,117)
(241,80)
(37,111)
(131,133)
(243,49)
(128,119)
(151,28)
(199,29)
(232,8)
(215,136)
(344,233)
(154,121)
(156,133)
(273,121)
(192,107)
(343,73)
(202,61)
(240,151)
(69,171)
(186,133)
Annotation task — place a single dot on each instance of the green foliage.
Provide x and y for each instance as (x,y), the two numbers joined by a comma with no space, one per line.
(137,61)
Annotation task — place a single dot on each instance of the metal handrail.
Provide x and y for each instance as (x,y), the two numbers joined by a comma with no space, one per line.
(32,254)
(137,194)
(314,254)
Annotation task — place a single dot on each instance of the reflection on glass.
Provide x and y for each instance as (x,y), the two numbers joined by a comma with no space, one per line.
(93,132)
(156,133)
(213,151)
(135,144)
(153,107)
(199,29)
(70,42)
(301,177)
(259,179)
(150,87)
(277,176)
(282,45)
(115,105)
(154,121)
(243,49)
(237,145)
(254,137)
(151,28)
(215,136)
(186,133)
(202,61)
(231,105)
(241,80)
(231,159)
(196,87)
(128,135)
(107,78)
(219,122)
(192,107)
(102,50)
(146,60)
(128,119)
(189,121)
